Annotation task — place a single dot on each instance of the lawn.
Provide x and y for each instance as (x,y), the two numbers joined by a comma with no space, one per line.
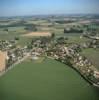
(48,80)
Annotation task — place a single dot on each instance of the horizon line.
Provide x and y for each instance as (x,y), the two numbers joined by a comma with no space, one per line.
(51,14)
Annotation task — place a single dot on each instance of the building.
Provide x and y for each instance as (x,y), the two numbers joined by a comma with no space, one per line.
(96,74)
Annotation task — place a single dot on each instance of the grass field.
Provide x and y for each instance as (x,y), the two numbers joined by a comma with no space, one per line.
(49,80)
(92,55)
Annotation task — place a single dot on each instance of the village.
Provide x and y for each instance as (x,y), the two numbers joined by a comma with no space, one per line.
(57,49)
(49,49)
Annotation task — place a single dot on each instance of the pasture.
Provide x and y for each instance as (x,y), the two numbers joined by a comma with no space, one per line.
(48,80)
(92,55)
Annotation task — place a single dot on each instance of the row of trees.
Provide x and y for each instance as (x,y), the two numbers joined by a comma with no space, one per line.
(72,30)
(31,27)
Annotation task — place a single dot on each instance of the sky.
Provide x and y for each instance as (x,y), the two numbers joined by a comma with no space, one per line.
(41,7)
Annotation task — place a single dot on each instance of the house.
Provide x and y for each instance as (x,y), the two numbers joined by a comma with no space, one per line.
(96,74)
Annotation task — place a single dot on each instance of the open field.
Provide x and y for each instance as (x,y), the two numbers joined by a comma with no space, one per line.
(92,55)
(49,80)
(11,33)
(38,21)
(37,34)
(73,37)
(44,78)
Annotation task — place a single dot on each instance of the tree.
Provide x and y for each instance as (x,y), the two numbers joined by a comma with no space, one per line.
(61,40)
(52,35)
(16,38)
(6,30)
(31,28)
(29,46)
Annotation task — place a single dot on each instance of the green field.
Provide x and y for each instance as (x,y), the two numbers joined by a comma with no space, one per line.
(49,80)
(92,55)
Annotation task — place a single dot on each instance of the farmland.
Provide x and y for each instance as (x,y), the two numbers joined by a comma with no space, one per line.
(2,59)
(49,50)
(92,55)
(49,80)
(33,34)
(26,28)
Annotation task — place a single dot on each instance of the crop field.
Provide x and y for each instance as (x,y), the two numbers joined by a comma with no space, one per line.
(38,21)
(12,28)
(2,60)
(37,34)
(75,38)
(12,32)
(9,36)
(47,80)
